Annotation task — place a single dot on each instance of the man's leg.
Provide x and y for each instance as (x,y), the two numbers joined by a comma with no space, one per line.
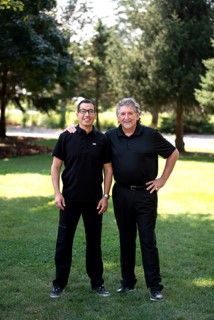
(68,221)
(126,222)
(93,229)
(146,208)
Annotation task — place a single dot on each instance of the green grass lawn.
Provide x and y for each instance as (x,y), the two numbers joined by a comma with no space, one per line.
(27,241)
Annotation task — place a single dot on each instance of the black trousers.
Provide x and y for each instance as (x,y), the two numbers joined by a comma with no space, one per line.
(68,221)
(137,210)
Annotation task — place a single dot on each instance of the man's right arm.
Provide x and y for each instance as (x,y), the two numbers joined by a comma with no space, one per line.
(55,176)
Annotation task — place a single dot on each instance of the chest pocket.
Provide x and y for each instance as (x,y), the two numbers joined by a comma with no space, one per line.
(96,150)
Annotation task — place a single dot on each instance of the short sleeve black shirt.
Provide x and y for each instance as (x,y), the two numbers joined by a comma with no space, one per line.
(83,156)
(135,158)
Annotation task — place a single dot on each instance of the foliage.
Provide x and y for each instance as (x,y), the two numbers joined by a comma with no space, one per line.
(173,38)
(193,124)
(11,4)
(117,66)
(33,57)
(91,59)
(205,95)
(76,16)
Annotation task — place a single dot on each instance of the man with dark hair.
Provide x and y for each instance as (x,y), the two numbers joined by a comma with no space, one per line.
(85,155)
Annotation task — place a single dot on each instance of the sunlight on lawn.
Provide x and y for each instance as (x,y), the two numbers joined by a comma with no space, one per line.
(190,189)
(25,185)
(203,282)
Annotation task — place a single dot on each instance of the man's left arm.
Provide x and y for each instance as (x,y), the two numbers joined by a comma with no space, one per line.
(103,203)
(158,183)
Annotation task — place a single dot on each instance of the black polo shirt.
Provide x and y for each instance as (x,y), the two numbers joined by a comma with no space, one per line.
(135,158)
(83,156)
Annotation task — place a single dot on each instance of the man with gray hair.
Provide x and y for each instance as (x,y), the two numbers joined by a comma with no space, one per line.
(134,154)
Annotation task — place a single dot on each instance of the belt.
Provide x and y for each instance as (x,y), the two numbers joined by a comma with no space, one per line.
(136,187)
(133,187)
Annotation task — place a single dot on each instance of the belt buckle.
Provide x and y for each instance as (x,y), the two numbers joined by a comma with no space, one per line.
(132,188)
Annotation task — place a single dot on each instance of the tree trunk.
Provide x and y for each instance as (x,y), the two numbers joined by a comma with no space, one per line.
(62,121)
(3,102)
(155,114)
(97,103)
(97,117)
(179,128)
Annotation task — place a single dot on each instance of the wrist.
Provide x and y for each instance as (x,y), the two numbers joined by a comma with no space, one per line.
(106,195)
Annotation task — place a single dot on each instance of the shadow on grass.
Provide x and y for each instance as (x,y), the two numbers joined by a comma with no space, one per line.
(28,232)
(27,164)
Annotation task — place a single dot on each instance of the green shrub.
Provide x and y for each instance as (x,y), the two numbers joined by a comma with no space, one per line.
(200,125)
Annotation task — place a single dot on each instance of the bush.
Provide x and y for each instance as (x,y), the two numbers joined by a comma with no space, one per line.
(200,125)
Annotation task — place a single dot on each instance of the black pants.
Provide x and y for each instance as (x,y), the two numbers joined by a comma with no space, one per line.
(137,209)
(68,221)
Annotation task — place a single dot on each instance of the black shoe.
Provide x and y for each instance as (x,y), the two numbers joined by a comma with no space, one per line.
(56,292)
(125,289)
(101,291)
(156,295)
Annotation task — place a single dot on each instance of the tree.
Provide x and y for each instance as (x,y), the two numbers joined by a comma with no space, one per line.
(11,4)
(33,57)
(98,66)
(139,77)
(189,27)
(175,37)
(205,95)
(118,66)
(91,59)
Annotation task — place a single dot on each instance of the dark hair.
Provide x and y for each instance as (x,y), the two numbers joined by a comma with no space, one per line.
(86,101)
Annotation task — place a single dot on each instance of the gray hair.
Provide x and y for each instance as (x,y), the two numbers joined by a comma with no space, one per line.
(128,102)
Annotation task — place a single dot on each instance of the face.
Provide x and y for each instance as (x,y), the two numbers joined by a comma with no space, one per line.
(128,117)
(86,115)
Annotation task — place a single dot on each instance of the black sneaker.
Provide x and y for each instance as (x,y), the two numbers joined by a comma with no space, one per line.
(125,289)
(156,295)
(56,292)
(101,291)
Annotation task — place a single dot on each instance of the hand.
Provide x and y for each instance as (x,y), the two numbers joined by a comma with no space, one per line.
(102,205)
(155,185)
(71,128)
(60,201)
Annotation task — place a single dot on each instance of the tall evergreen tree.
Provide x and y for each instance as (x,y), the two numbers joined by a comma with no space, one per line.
(205,95)
(188,27)
(175,37)
(92,61)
